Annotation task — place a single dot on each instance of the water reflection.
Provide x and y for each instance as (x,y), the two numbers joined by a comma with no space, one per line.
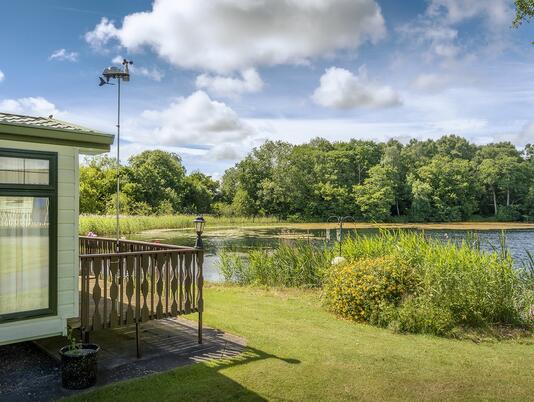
(245,239)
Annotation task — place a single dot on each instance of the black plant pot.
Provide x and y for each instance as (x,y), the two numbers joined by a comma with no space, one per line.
(79,366)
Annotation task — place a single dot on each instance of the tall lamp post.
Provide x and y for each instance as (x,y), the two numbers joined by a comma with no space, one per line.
(340,220)
(120,75)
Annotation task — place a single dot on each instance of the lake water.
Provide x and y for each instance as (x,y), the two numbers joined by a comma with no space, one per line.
(243,239)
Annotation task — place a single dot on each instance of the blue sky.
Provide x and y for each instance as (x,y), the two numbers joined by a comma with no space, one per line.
(213,79)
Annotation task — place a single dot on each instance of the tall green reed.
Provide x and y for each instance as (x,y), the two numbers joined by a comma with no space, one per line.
(298,265)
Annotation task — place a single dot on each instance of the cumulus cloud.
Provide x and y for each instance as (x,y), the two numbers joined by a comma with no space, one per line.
(341,89)
(225,152)
(103,32)
(231,35)
(2,76)
(196,119)
(231,87)
(37,106)
(153,72)
(64,55)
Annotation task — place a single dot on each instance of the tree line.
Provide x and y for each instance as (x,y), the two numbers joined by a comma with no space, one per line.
(448,179)
(153,182)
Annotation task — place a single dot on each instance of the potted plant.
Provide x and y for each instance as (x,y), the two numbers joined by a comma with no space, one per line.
(78,363)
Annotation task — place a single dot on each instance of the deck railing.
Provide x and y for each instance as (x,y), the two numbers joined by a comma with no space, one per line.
(137,282)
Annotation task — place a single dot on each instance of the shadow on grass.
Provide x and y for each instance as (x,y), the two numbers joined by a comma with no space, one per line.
(202,381)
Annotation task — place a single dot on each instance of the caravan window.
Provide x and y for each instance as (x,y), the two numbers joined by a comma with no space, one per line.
(28,204)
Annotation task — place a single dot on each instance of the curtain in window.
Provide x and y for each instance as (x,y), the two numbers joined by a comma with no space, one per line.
(24,253)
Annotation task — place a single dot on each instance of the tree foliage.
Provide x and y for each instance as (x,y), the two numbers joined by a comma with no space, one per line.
(153,182)
(448,179)
(524,11)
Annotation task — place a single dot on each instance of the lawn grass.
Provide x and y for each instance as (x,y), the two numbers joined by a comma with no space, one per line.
(298,351)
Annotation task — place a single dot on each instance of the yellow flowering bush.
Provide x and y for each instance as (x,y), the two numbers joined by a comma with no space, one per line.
(361,289)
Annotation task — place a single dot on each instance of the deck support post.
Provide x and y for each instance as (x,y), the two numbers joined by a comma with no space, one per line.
(137,345)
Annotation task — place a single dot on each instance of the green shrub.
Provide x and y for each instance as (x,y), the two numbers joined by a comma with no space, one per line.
(361,289)
(508,213)
(443,285)
(421,316)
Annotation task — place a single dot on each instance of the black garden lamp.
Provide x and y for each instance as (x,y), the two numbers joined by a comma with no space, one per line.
(199,228)
(340,220)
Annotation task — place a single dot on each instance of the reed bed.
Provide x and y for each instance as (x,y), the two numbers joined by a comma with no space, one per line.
(402,280)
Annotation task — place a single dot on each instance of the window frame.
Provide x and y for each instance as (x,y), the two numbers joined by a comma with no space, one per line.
(49,191)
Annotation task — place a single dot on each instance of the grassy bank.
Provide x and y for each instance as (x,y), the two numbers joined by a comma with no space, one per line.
(105,224)
(299,352)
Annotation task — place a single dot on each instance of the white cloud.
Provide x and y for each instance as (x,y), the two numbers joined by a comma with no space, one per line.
(457,126)
(437,29)
(230,35)
(64,55)
(37,106)
(231,87)
(117,59)
(225,152)
(431,82)
(455,11)
(196,119)
(440,41)
(474,129)
(341,89)
(153,72)
(103,32)
(2,76)
(527,134)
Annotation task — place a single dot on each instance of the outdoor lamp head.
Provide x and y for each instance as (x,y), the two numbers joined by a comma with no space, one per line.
(199,224)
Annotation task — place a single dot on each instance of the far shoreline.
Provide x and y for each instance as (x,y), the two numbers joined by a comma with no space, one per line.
(419,226)
(465,226)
